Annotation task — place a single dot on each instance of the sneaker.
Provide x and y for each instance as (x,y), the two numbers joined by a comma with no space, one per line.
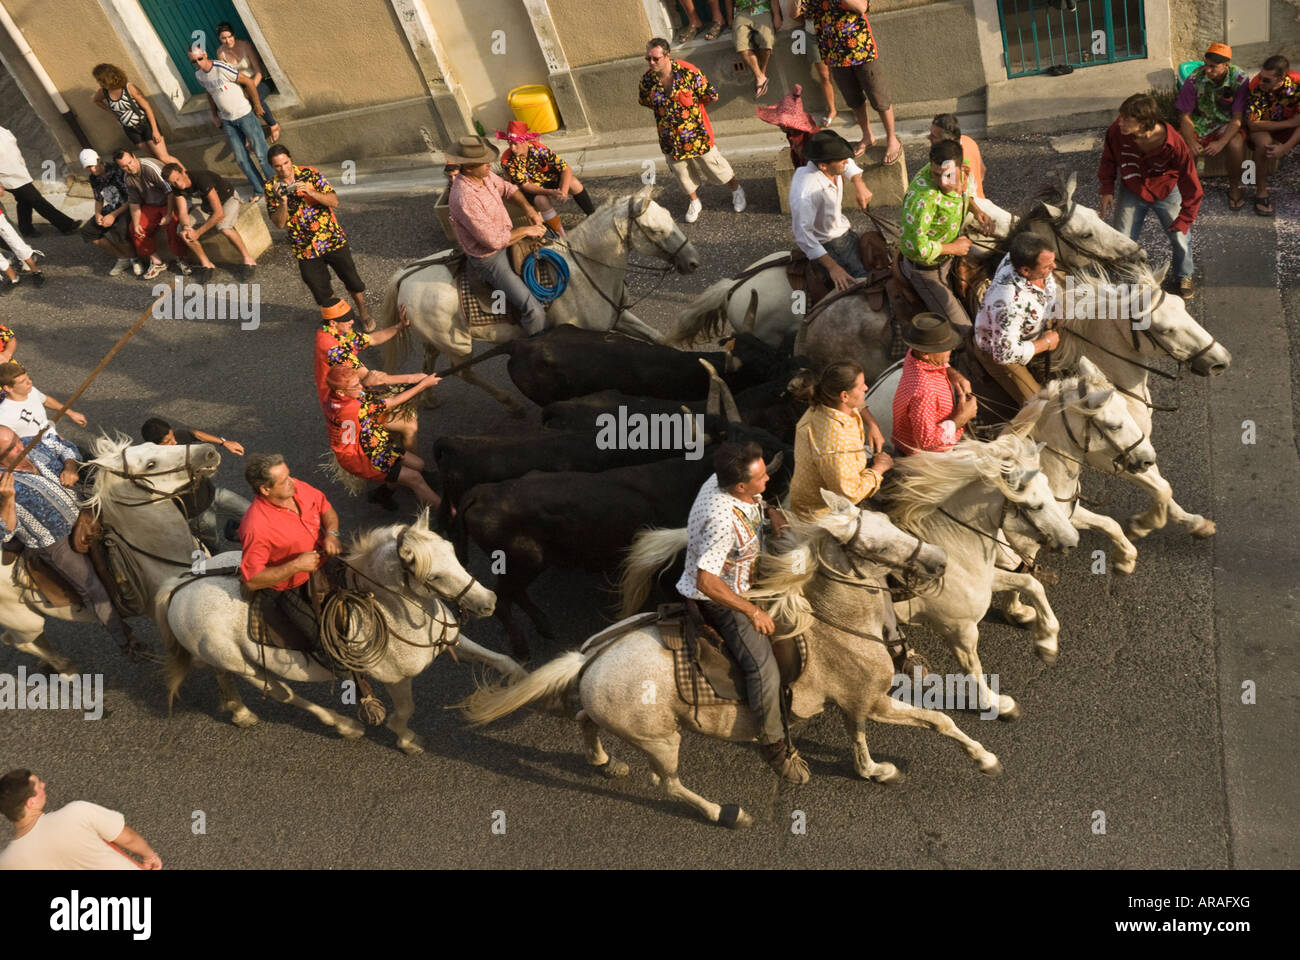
(738,199)
(137,267)
(121,266)
(183,268)
(155,269)
(1184,287)
(693,210)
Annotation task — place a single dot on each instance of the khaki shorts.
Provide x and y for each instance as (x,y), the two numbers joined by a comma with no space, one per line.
(753,34)
(229,214)
(711,167)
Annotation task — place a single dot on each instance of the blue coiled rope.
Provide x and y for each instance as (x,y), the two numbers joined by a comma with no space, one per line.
(543,293)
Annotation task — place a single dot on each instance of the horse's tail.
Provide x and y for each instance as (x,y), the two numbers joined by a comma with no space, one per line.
(705,316)
(396,349)
(179,660)
(549,684)
(651,552)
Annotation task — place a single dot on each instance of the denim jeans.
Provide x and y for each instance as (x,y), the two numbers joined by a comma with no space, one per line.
(263,91)
(1131,212)
(496,270)
(249,128)
(209,526)
(753,652)
(844,251)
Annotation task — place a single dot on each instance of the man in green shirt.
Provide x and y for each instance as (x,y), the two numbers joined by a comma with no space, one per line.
(934,210)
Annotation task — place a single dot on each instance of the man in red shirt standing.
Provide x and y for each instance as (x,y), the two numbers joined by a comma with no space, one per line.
(284,533)
(481,222)
(1156,172)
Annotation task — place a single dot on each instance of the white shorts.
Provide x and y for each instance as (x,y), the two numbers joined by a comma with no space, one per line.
(711,166)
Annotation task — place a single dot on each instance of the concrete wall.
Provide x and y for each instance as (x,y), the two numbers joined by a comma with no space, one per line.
(466,28)
(1199,22)
(620,30)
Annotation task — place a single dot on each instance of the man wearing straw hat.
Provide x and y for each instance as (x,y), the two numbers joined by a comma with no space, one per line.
(483,229)
(816,194)
(926,416)
(535,169)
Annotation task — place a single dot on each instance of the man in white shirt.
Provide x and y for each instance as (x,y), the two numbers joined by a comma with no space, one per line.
(236,106)
(1015,317)
(15,178)
(23,408)
(821,229)
(78,836)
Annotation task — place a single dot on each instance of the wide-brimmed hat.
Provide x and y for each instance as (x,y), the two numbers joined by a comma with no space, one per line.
(789,113)
(931,333)
(471,151)
(827,146)
(1218,53)
(517,131)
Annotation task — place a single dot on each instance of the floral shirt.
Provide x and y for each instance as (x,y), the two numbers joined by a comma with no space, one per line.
(830,450)
(932,217)
(1013,313)
(539,165)
(844,38)
(923,406)
(723,537)
(684,128)
(358,433)
(313,230)
(1280,103)
(1211,104)
(334,349)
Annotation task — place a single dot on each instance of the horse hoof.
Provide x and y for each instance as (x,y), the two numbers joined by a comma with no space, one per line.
(1011,715)
(1205,528)
(994,771)
(1135,531)
(1123,567)
(734,818)
(1022,618)
(244,718)
(413,747)
(654,779)
(891,775)
(612,769)
(351,730)
(1048,655)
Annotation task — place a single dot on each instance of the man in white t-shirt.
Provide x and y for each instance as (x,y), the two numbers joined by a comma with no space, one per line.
(23,408)
(724,536)
(236,106)
(78,836)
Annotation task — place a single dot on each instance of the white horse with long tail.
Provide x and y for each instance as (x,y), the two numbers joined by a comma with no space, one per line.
(596,252)
(818,587)
(133,493)
(420,592)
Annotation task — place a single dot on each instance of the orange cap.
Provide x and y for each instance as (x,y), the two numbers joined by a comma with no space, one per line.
(332,311)
(1217,49)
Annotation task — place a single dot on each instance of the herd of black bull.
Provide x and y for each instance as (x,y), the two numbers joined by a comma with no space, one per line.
(559,498)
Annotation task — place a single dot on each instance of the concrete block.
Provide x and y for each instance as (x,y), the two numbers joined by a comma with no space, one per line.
(888,185)
(253,229)
(1217,166)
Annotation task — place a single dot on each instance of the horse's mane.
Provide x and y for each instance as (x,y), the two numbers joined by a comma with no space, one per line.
(927,480)
(780,575)
(107,452)
(1057,394)
(366,543)
(1098,276)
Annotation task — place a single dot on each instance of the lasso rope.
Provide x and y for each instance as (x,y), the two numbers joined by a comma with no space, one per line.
(353,630)
(532,279)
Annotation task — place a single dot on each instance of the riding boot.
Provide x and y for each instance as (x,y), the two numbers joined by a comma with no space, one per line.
(137,651)
(907,661)
(789,766)
(584,202)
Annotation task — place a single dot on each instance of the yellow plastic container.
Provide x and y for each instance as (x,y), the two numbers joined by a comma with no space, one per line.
(535,105)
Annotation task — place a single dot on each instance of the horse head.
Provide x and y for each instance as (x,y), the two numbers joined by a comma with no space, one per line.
(148,472)
(652,230)
(1083,236)
(426,565)
(1032,507)
(873,536)
(1169,326)
(1106,412)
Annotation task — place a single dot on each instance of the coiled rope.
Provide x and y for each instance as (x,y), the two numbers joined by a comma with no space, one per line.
(353,630)
(532,278)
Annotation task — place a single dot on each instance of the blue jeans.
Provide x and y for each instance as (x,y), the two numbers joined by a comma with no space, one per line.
(249,128)
(495,269)
(1131,212)
(263,91)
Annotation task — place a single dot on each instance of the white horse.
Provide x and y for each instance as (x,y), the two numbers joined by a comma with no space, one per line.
(596,251)
(1122,343)
(1083,422)
(959,500)
(133,495)
(419,589)
(817,587)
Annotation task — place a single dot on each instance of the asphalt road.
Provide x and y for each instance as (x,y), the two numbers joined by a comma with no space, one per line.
(1128,722)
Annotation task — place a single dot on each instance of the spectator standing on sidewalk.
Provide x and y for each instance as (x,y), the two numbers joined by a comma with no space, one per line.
(694,24)
(148,197)
(78,836)
(301,201)
(235,107)
(15,178)
(109,227)
(1156,171)
(242,55)
(678,92)
(21,251)
(754,24)
(123,99)
(193,189)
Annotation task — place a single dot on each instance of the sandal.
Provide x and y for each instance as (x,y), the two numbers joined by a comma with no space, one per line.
(1235,200)
(888,162)
(713,31)
(761,89)
(1263,206)
(687,34)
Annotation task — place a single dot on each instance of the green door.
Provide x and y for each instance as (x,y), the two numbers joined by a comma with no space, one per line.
(180,24)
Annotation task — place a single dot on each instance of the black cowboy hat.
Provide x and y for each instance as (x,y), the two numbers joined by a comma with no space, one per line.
(931,333)
(471,151)
(827,146)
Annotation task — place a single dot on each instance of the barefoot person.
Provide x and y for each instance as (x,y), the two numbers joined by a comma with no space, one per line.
(356,418)
(196,189)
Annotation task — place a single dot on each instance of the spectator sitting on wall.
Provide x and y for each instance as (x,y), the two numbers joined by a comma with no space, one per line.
(535,169)
(1210,106)
(123,99)
(149,199)
(195,188)
(108,228)
(1272,121)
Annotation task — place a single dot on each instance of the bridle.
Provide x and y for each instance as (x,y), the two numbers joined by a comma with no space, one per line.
(1089,428)
(192,471)
(623,304)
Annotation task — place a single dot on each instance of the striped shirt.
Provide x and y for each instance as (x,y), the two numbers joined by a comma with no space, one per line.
(46,509)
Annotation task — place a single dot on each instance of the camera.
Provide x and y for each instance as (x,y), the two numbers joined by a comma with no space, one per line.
(284,189)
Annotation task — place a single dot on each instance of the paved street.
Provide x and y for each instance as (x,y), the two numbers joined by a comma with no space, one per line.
(1140,719)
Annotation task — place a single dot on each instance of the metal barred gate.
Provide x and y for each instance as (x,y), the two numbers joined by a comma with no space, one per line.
(1038,35)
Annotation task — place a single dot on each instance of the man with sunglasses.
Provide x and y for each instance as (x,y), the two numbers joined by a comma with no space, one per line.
(235,105)
(1210,106)
(1272,121)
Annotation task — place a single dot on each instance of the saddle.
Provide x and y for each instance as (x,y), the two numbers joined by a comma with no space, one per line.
(810,277)
(477,296)
(280,618)
(705,672)
(31,572)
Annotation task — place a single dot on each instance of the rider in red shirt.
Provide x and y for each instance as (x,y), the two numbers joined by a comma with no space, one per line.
(286,530)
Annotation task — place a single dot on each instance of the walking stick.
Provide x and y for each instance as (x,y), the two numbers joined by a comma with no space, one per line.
(122,341)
